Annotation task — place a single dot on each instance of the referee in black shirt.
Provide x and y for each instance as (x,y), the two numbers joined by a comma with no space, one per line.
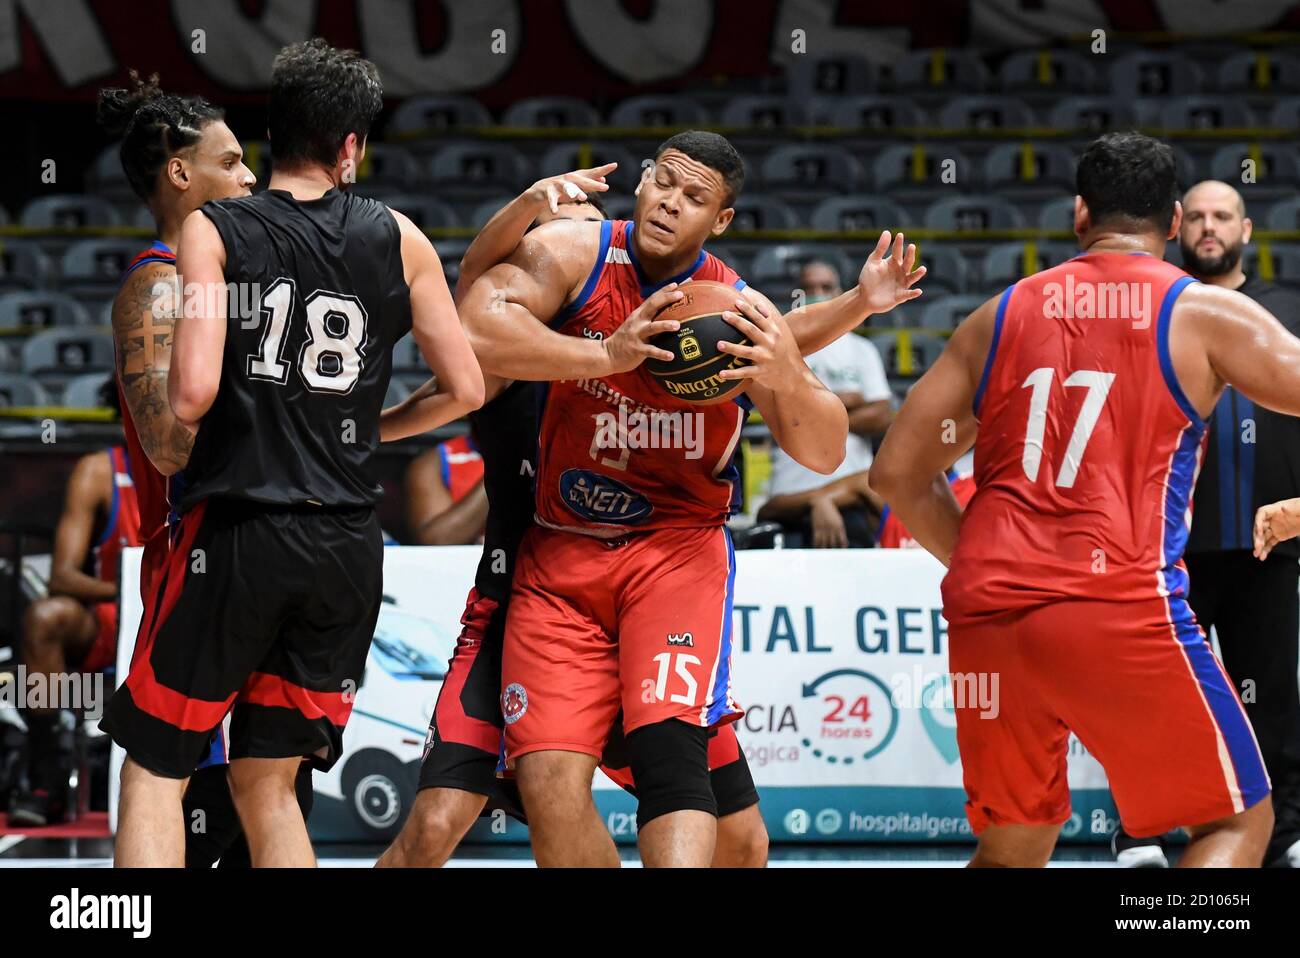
(1252,459)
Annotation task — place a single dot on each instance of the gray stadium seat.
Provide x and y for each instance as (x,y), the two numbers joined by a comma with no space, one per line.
(919,168)
(973,213)
(765,112)
(1286,263)
(758,212)
(944,313)
(68,352)
(569,155)
(1286,113)
(946,270)
(19,390)
(1050,72)
(435,115)
(83,392)
(407,358)
(143,219)
(9,360)
(619,206)
(550,111)
(93,268)
(877,113)
(908,354)
(1278,166)
(426,212)
(484,211)
(734,257)
(1057,214)
(396,392)
(941,71)
(835,75)
(479,169)
(779,264)
(69,211)
(451,252)
(1154,73)
(856,213)
(1205,113)
(386,165)
(652,111)
(40,309)
(23,264)
(1029,171)
(1284,215)
(985,113)
(1004,263)
(1093,114)
(811,168)
(4,216)
(1259,72)
(106,176)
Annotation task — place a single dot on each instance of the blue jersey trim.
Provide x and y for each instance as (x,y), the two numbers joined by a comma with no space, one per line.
(164,254)
(649,287)
(112,507)
(606,231)
(1162,347)
(993,349)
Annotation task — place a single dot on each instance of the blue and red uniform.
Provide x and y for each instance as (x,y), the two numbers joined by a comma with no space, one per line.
(460,466)
(121,530)
(894,535)
(623,591)
(1067,580)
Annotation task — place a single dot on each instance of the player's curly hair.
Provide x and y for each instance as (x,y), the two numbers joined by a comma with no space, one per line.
(715,152)
(320,94)
(1129,177)
(154,127)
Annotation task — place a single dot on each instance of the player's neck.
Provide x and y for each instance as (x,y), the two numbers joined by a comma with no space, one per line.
(1149,243)
(303,183)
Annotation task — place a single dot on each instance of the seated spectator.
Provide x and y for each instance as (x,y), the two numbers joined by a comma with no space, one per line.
(75,625)
(446,503)
(833,512)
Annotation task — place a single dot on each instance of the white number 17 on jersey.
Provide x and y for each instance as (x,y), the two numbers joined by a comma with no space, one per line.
(1098,385)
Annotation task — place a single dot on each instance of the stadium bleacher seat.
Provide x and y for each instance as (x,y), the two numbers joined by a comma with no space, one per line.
(855,213)
(451,251)
(57,355)
(1154,73)
(83,392)
(469,172)
(1286,113)
(34,310)
(877,114)
(406,356)
(907,354)
(755,211)
(963,214)
(944,313)
(436,115)
(388,166)
(9,357)
(550,111)
(23,264)
(805,170)
(778,265)
(1286,263)
(1029,171)
(397,391)
(1205,113)
(17,389)
(581,154)
(143,219)
(1259,72)
(992,112)
(69,211)
(106,176)
(1093,115)
(1004,263)
(941,71)
(653,111)
(426,212)
(835,75)
(1048,72)
(946,270)
(1057,214)
(92,269)
(1274,167)
(766,112)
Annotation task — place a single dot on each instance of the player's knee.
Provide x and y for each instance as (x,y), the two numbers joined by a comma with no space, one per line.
(752,845)
(555,780)
(47,622)
(670,763)
(437,822)
(255,781)
(1254,824)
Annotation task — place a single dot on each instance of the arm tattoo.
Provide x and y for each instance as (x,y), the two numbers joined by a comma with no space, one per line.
(144,318)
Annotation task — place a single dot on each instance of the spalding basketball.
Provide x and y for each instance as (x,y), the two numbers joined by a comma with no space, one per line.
(692,374)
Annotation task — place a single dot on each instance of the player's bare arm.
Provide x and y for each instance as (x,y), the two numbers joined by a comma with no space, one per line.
(504,231)
(507,309)
(432,515)
(442,342)
(144,321)
(806,419)
(934,427)
(201,326)
(89,493)
(888,278)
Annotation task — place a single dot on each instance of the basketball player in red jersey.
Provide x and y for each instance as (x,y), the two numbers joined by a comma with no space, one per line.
(657,569)
(1085,389)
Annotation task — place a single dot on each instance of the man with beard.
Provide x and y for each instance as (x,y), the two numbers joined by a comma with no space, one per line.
(1252,458)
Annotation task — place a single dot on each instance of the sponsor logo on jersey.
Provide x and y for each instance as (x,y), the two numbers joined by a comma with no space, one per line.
(514,703)
(602,499)
(683,638)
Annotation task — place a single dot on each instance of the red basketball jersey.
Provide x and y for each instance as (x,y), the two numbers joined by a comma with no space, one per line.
(152,487)
(123,527)
(1088,448)
(460,466)
(620,453)
(894,535)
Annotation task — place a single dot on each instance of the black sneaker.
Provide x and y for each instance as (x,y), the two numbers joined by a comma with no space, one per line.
(1130,852)
(29,808)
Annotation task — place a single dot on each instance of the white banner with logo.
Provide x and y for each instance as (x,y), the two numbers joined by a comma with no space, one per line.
(839,659)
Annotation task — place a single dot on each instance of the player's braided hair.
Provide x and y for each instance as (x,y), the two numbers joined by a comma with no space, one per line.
(154,127)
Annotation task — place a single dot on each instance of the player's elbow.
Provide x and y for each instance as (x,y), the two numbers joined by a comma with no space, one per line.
(189,399)
(822,459)
(472,393)
(883,476)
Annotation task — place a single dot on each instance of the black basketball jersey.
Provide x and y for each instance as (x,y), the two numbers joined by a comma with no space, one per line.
(317,298)
(505,431)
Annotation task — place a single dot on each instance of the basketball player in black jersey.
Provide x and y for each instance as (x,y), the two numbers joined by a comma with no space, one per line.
(269,602)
